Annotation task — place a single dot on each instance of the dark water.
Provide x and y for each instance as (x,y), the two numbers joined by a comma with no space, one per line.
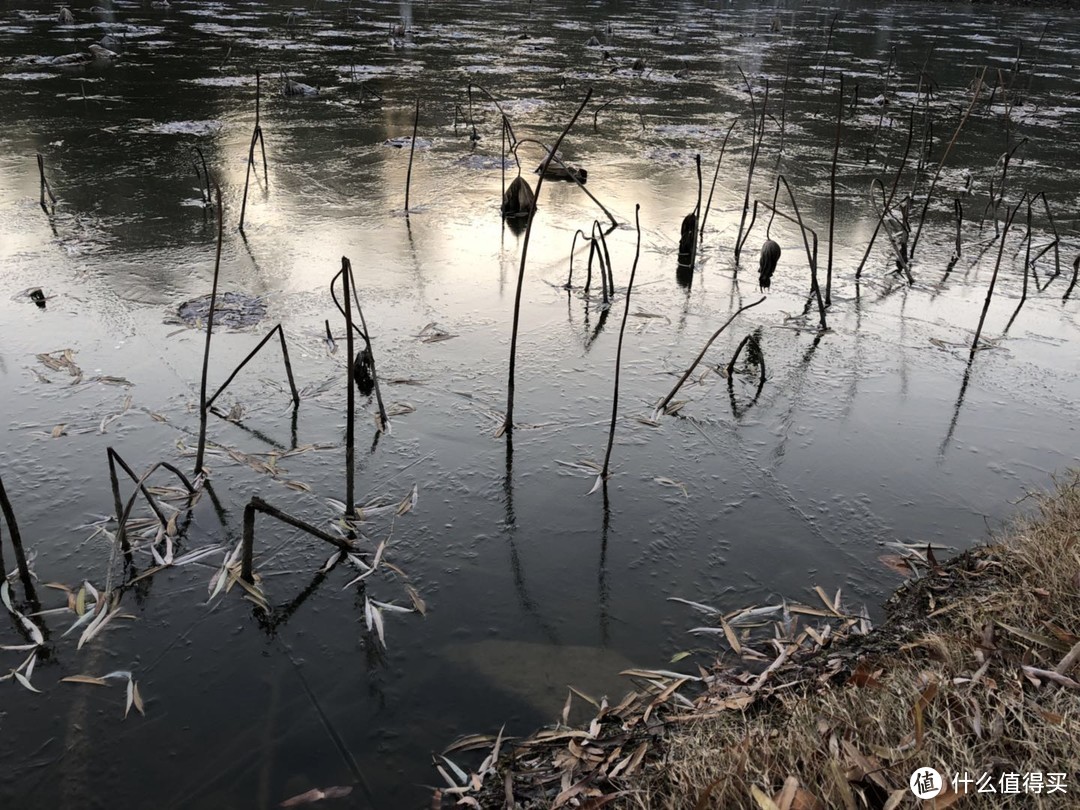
(864,436)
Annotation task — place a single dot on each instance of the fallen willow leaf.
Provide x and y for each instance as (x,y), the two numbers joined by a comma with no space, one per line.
(400,409)
(418,603)
(317,794)
(22,679)
(96,626)
(90,679)
(31,629)
(708,610)
(667,482)
(408,502)
(85,618)
(390,606)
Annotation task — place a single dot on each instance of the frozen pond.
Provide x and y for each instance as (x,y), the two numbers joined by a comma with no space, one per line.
(876,432)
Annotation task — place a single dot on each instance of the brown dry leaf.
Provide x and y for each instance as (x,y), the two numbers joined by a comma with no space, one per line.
(299,486)
(763,801)
(864,676)
(925,697)
(732,639)
(897,563)
(317,794)
(417,602)
(804,800)
(85,679)
(786,797)
(828,602)
(947,798)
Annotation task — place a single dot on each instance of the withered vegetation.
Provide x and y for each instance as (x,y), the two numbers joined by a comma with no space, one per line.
(975,669)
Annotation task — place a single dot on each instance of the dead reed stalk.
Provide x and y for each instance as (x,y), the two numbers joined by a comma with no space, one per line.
(209,332)
(811,254)
(618,351)
(412,149)
(993,279)
(892,194)
(350,398)
(716,173)
(256,137)
(45,188)
(277,330)
(508,424)
(757,135)
(257,504)
(1076,272)
(832,190)
(666,400)
(941,163)
(16,545)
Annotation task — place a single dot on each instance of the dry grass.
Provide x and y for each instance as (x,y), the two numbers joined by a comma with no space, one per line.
(950,681)
(975,671)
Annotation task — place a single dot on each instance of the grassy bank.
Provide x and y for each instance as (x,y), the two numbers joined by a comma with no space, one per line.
(975,670)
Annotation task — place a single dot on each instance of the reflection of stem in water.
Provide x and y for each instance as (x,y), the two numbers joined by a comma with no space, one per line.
(602,587)
(956,410)
(796,393)
(754,356)
(516,570)
(339,743)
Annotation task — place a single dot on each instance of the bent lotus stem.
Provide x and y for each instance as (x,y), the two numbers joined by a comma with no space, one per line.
(666,400)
